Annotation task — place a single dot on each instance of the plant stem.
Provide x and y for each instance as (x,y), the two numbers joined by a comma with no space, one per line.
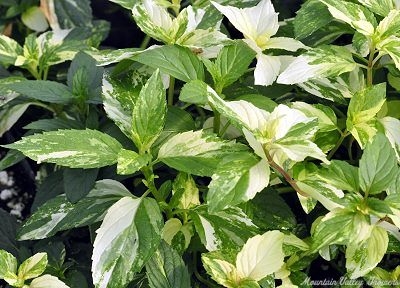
(171,91)
(197,274)
(286,175)
(338,143)
(145,42)
(370,66)
(149,176)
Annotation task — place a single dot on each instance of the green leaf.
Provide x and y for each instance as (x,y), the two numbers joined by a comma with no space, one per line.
(378,165)
(35,19)
(130,162)
(72,148)
(311,17)
(196,152)
(78,183)
(6,93)
(47,281)
(73,13)
(33,266)
(236,180)
(8,263)
(166,269)
(226,230)
(179,62)
(85,78)
(8,232)
(127,238)
(54,124)
(362,110)
(269,211)
(9,50)
(362,257)
(324,61)
(341,175)
(59,214)
(232,62)
(260,101)
(357,16)
(261,255)
(194,92)
(148,115)
(10,115)
(48,91)
(128,4)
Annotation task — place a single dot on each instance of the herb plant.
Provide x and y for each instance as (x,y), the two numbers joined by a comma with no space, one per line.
(194,159)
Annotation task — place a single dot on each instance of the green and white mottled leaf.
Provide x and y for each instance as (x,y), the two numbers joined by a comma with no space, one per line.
(341,175)
(172,228)
(226,230)
(59,214)
(392,131)
(327,120)
(362,110)
(47,91)
(362,257)
(261,255)
(339,227)
(378,165)
(8,263)
(73,13)
(324,61)
(130,162)
(148,115)
(185,194)
(9,50)
(46,281)
(221,271)
(391,46)
(389,26)
(309,18)
(177,61)
(196,152)
(33,266)
(127,4)
(166,269)
(236,180)
(380,7)
(71,148)
(127,238)
(327,89)
(357,16)
(6,94)
(35,19)
(10,115)
(107,56)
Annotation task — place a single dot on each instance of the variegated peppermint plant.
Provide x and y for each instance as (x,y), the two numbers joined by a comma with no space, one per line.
(206,154)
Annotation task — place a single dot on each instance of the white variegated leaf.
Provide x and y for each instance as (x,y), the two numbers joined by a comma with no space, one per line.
(392,132)
(362,257)
(9,50)
(221,271)
(33,266)
(381,7)
(46,281)
(129,235)
(72,148)
(267,69)
(261,255)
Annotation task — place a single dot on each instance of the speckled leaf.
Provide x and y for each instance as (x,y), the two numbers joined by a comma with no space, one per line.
(6,94)
(73,13)
(362,110)
(391,46)
(59,214)
(362,257)
(381,7)
(148,115)
(33,266)
(179,62)
(128,237)
(130,162)
(166,269)
(378,165)
(236,180)
(196,152)
(9,50)
(185,194)
(72,148)
(8,263)
(226,230)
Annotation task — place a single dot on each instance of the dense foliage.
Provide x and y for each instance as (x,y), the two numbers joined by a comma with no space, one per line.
(243,152)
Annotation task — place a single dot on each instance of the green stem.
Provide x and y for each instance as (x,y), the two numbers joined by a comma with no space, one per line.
(370,66)
(34,73)
(45,73)
(149,176)
(338,143)
(285,175)
(171,91)
(145,42)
